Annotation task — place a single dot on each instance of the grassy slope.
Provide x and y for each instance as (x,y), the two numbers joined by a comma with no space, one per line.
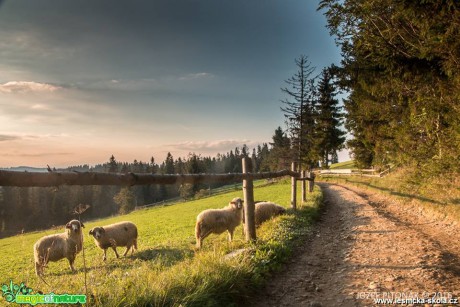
(343,165)
(166,270)
(438,193)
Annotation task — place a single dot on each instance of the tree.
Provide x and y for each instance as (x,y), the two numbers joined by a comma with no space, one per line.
(299,110)
(113,165)
(125,200)
(402,68)
(328,135)
(169,164)
(280,155)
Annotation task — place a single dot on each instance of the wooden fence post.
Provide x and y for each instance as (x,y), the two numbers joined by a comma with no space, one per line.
(304,187)
(293,187)
(311,183)
(249,208)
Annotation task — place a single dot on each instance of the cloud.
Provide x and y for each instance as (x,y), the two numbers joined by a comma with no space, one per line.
(211,146)
(6,137)
(196,76)
(38,154)
(27,86)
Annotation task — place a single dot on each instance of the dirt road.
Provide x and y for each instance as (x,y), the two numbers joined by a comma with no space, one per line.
(368,247)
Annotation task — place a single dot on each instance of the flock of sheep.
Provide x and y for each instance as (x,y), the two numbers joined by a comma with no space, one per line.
(69,244)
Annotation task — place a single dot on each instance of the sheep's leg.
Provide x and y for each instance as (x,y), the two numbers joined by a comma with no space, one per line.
(230,235)
(38,269)
(128,247)
(71,260)
(104,258)
(115,250)
(200,234)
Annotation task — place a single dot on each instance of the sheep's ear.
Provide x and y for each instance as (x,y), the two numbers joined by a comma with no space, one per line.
(91,232)
(102,230)
(68,226)
(82,225)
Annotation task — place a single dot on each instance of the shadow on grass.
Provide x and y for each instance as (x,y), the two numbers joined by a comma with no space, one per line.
(171,255)
(167,256)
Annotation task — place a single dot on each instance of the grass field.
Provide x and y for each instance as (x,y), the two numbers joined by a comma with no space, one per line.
(166,270)
(343,165)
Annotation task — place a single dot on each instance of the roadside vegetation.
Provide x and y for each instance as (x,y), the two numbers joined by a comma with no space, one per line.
(440,193)
(166,270)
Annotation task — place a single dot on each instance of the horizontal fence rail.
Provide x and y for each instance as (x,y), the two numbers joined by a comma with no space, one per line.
(30,179)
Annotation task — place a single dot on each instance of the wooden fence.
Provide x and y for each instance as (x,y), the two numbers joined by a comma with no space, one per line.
(355,172)
(50,179)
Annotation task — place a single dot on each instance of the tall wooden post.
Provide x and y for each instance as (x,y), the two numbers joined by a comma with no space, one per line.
(311,182)
(293,187)
(304,187)
(249,208)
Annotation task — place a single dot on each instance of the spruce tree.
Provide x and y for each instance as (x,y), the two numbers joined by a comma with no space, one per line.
(329,137)
(299,110)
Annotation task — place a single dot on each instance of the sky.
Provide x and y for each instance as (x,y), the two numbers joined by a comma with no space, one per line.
(81,80)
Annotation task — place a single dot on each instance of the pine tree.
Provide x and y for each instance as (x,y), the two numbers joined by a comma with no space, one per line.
(299,110)
(329,137)
(402,68)
(280,155)
(113,165)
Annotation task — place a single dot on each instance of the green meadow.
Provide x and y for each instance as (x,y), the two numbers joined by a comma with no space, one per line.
(166,270)
(343,165)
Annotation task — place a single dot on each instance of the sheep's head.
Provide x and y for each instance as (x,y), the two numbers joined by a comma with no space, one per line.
(236,203)
(97,232)
(74,226)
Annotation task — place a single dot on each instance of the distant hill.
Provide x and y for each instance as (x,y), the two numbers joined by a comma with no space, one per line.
(26,169)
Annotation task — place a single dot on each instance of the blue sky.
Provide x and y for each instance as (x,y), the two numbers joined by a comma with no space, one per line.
(82,80)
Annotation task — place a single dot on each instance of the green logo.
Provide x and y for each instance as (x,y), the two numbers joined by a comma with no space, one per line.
(21,294)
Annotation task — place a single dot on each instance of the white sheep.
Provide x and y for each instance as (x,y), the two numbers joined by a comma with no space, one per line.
(266,210)
(58,246)
(218,220)
(113,235)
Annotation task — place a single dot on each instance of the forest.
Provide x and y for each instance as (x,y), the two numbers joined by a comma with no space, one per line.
(401,69)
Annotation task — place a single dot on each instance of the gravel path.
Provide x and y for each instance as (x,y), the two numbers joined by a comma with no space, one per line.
(364,247)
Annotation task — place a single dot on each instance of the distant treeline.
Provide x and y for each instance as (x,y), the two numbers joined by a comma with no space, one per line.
(26,209)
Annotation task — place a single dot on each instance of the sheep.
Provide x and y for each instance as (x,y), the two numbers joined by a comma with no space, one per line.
(218,220)
(58,246)
(113,235)
(266,210)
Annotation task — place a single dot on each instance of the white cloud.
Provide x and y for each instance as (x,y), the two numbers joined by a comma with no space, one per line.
(211,146)
(26,86)
(196,76)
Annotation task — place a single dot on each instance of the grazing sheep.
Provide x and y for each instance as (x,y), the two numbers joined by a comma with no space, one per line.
(266,210)
(118,234)
(219,220)
(59,246)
